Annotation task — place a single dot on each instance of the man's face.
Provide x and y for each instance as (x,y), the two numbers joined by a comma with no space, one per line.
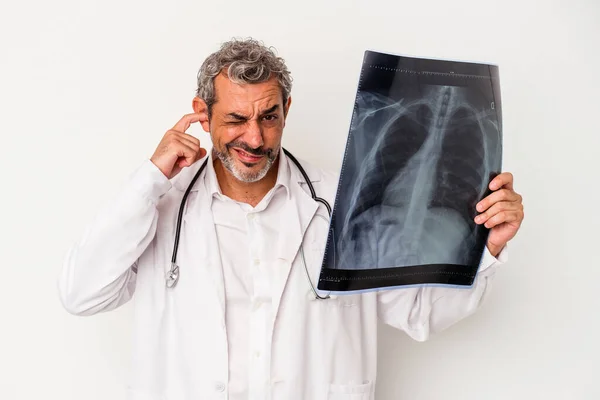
(246,125)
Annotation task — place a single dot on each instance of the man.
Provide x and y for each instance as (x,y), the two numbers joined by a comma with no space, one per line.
(242,321)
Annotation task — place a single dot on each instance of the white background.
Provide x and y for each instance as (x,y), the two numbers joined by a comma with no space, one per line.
(88,88)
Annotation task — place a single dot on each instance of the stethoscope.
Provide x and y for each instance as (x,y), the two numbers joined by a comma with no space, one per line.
(173,274)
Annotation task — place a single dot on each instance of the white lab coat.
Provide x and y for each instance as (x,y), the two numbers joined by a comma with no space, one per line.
(320,350)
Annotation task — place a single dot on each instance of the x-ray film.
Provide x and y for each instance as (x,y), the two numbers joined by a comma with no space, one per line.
(425,141)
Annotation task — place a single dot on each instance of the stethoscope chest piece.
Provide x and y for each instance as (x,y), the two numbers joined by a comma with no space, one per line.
(172,276)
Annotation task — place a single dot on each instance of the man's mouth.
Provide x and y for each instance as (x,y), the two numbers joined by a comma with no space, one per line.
(247,157)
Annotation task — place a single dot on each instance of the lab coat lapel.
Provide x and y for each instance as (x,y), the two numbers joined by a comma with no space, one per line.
(296,216)
(200,237)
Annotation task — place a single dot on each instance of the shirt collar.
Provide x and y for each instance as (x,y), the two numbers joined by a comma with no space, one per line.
(211,183)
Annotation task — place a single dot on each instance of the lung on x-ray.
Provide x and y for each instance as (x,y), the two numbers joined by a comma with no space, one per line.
(425,141)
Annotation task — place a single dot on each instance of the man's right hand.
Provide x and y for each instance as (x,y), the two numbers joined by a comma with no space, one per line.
(177,149)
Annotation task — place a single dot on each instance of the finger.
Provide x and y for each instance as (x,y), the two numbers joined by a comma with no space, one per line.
(497,196)
(187,136)
(184,151)
(497,208)
(194,143)
(178,139)
(188,141)
(503,217)
(199,151)
(188,119)
(504,179)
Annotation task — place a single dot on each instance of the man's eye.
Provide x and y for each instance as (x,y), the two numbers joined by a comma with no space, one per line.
(270,117)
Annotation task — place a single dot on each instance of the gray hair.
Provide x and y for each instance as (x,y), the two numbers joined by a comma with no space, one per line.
(245,61)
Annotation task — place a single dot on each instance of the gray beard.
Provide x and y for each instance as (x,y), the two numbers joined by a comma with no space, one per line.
(247,177)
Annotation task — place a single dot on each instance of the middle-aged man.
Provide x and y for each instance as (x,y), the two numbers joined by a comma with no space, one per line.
(242,321)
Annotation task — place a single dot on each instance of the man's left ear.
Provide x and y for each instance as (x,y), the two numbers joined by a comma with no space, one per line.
(200,107)
(286,107)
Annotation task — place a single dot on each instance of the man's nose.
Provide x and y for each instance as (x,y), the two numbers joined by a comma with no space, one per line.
(253,135)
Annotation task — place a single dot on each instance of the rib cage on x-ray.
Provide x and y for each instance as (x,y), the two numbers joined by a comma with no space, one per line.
(424,143)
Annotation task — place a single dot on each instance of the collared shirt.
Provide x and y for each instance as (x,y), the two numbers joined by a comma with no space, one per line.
(245,235)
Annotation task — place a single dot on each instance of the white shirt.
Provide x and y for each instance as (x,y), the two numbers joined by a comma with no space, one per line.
(245,235)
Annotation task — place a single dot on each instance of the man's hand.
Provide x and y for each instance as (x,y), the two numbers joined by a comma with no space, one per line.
(501,211)
(177,149)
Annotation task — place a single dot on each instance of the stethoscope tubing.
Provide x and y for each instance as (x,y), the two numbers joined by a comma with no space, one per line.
(173,274)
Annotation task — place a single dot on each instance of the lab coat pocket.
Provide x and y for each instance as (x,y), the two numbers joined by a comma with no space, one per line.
(363,391)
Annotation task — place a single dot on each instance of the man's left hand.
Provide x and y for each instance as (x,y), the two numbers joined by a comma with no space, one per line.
(501,211)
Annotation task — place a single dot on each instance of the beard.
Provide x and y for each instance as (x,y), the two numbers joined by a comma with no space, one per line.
(239,172)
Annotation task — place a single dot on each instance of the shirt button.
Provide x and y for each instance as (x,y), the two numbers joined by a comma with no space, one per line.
(256,261)
(219,386)
(250,217)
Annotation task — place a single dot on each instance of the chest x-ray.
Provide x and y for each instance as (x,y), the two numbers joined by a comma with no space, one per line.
(424,143)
